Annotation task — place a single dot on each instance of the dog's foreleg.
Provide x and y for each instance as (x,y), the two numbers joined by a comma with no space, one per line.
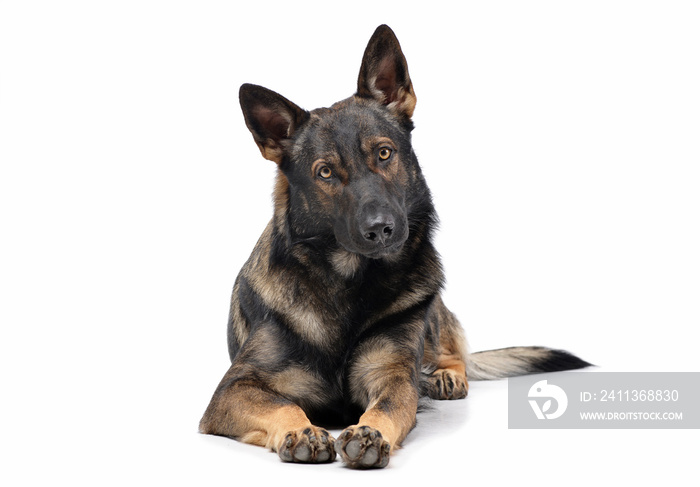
(383,377)
(244,411)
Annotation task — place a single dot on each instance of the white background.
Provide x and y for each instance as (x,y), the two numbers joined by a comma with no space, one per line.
(561,142)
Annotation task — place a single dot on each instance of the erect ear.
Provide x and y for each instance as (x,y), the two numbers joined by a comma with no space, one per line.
(384,73)
(271,118)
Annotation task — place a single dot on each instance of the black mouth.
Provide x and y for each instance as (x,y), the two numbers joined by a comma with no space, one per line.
(385,252)
(379,253)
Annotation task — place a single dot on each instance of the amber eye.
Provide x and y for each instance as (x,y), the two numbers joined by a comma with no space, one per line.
(384,153)
(324,172)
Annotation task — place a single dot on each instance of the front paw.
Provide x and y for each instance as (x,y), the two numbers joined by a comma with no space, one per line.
(363,447)
(309,445)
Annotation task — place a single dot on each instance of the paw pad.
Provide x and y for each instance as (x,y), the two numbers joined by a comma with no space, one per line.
(363,447)
(310,445)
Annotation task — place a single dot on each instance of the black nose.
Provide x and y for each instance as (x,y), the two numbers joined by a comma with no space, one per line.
(378,228)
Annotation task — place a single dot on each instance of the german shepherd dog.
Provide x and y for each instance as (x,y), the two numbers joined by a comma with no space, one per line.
(336,318)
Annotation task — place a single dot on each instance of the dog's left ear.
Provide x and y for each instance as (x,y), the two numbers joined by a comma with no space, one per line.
(384,73)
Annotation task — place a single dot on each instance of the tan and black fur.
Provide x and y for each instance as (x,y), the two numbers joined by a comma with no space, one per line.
(336,318)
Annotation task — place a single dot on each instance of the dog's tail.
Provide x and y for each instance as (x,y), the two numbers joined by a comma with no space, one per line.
(514,361)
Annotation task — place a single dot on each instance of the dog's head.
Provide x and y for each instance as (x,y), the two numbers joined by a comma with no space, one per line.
(347,171)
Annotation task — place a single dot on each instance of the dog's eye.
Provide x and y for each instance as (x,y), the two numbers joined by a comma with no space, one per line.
(385,153)
(324,172)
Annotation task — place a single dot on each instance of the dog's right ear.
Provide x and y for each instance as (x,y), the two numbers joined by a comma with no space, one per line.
(271,118)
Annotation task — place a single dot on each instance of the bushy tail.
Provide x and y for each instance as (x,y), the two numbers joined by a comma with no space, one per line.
(513,361)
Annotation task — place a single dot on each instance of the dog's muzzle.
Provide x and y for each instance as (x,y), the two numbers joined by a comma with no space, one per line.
(378,231)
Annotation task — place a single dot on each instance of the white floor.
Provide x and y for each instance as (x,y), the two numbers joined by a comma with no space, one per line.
(466,442)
